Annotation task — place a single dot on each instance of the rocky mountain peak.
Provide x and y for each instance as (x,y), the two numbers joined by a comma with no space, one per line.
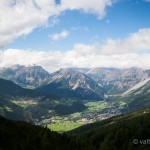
(17,67)
(66,71)
(25,76)
(74,81)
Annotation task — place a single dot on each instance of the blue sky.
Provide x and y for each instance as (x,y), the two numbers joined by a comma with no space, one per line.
(121,19)
(84,31)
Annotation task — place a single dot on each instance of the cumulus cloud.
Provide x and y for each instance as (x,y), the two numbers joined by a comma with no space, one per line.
(136,42)
(62,35)
(52,61)
(125,52)
(21,17)
(88,6)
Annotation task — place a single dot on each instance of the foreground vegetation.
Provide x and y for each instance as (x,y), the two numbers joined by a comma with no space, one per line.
(17,135)
(125,132)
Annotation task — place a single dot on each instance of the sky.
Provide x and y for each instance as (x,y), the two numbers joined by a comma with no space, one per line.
(62,33)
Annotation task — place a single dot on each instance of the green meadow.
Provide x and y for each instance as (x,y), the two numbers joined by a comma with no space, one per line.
(67,126)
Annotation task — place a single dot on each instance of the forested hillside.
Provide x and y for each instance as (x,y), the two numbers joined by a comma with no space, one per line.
(126,132)
(25,136)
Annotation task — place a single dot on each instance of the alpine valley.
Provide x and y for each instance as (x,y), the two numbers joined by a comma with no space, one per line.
(71,97)
(74,74)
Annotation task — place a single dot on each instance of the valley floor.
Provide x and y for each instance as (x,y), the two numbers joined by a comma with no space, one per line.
(95,111)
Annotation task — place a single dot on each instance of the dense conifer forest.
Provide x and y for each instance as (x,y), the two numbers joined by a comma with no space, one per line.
(117,133)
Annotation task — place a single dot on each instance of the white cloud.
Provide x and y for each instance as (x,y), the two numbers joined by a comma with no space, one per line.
(134,43)
(24,16)
(62,35)
(88,6)
(126,52)
(21,17)
(56,60)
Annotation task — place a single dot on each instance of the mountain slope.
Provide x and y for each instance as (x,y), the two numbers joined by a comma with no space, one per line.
(31,76)
(15,99)
(137,86)
(31,105)
(118,133)
(127,132)
(138,97)
(69,83)
(10,89)
(116,81)
(17,135)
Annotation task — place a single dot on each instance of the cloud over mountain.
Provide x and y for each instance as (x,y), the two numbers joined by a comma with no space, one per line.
(131,51)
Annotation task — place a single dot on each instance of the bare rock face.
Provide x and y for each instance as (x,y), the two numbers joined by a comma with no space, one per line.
(116,81)
(31,76)
(70,83)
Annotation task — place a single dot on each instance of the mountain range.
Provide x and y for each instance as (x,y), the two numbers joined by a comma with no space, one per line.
(69,83)
(78,83)
(116,81)
(30,77)
(67,90)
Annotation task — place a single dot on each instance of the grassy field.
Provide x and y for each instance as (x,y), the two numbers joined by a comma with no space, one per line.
(8,109)
(67,126)
(93,106)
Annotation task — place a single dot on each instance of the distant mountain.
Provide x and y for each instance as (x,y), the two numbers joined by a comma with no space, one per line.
(31,76)
(137,97)
(113,80)
(139,86)
(116,81)
(70,83)
(81,83)
(148,72)
(127,88)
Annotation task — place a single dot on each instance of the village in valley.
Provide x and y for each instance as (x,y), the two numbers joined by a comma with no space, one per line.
(96,111)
